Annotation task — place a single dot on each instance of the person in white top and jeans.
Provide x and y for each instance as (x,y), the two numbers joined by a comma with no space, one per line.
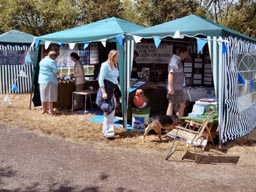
(79,79)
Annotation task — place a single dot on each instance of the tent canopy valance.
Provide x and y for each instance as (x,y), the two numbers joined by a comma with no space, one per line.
(190,26)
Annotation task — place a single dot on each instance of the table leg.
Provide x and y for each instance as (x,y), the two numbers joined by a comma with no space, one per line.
(90,97)
(72,103)
(85,101)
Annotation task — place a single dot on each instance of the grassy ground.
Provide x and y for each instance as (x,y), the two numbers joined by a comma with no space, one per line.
(77,128)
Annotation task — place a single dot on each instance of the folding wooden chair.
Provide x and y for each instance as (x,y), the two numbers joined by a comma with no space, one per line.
(196,138)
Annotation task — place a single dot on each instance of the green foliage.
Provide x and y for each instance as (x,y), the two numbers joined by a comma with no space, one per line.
(130,11)
(99,9)
(243,18)
(153,12)
(238,15)
(40,17)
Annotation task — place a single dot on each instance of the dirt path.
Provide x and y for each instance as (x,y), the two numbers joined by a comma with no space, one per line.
(30,162)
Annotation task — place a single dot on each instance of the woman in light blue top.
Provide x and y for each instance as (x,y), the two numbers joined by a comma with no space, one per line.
(47,80)
(109,72)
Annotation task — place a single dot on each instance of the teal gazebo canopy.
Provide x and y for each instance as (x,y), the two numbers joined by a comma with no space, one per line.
(190,26)
(96,31)
(16,37)
(15,40)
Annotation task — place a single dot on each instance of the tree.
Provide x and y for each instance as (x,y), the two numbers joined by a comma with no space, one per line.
(37,17)
(40,17)
(238,15)
(100,9)
(242,18)
(130,11)
(153,12)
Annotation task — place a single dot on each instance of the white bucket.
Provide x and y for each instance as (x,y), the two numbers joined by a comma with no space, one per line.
(140,117)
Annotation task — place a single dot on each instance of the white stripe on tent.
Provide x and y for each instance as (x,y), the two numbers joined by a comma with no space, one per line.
(128,59)
(14,48)
(222,83)
(9,76)
(217,66)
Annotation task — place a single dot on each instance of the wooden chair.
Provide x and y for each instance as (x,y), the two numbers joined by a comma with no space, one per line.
(195,138)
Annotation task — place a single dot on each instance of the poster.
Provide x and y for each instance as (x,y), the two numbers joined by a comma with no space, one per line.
(12,57)
(94,53)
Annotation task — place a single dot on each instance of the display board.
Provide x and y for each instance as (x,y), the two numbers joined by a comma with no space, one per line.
(84,56)
(87,56)
(208,73)
(198,71)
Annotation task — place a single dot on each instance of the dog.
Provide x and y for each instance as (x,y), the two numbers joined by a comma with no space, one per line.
(159,122)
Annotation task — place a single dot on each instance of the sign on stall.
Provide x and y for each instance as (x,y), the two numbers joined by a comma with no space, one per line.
(148,53)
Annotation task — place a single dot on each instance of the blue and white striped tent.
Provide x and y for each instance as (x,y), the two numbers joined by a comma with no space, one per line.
(19,74)
(232,55)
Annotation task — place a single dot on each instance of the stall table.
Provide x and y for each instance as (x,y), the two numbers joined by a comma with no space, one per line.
(65,90)
(86,93)
(65,93)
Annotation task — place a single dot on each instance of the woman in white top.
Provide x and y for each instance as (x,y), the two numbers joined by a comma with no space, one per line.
(108,82)
(79,79)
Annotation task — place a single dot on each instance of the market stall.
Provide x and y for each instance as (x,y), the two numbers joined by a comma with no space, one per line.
(104,31)
(221,58)
(15,62)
